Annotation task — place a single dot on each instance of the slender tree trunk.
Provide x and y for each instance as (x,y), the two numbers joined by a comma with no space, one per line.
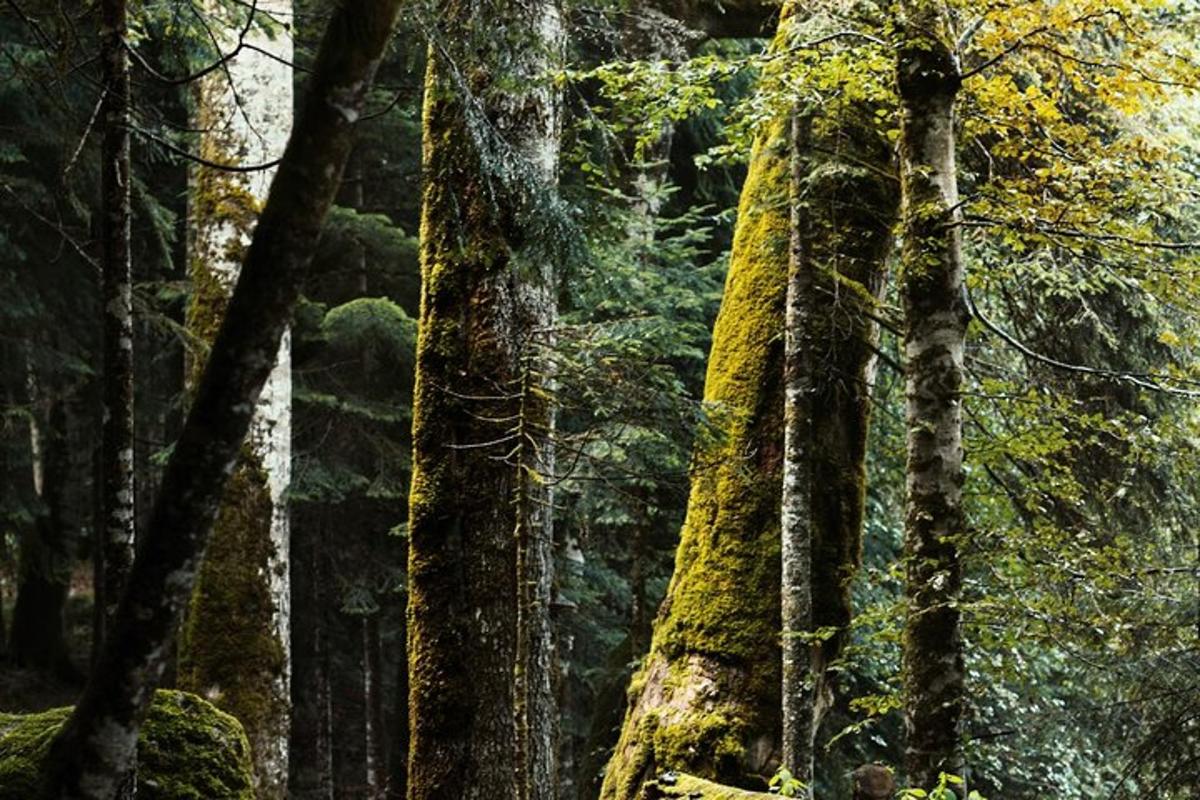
(235,647)
(37,640)
(707,697)
(796,522)
(310,753)
(115,553)
(935,329)
(397,785)
(96,746)
(376,745)
(480,546)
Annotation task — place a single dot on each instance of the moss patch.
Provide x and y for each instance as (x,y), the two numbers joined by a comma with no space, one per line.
(229,651)
(698,789)
(187,750)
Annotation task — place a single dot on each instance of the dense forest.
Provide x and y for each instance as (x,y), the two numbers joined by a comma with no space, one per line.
(599,399)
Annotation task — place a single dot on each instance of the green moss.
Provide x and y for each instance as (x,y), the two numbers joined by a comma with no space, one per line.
(710,682)
(695,788)
(187,750)
(229,652)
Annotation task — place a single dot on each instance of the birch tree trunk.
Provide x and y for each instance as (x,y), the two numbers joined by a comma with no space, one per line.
(480,555)
(376,747)
(707,698)
(96,746)
(935,330)
(235,647)
(116,449)
(796,523)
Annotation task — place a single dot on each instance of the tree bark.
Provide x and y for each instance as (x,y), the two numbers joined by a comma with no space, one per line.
(235,647)
(480,543)
(796,523)
(97,744)
(936,317)
(116,448)
(376,745)
(707,698)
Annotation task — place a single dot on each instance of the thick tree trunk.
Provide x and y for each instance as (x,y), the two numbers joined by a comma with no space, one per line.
(480,546)
(115,553)
(796,521)
(707,698)
(935,329)
(235,647)
(96,746)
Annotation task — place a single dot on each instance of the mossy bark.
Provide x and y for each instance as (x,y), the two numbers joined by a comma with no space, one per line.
(234,649)
(695,788)
(706,699)
(936,318)
(479,557)
(187,750)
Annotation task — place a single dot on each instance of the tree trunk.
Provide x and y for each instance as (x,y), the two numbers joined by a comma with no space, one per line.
(707,698)
(376,745)
(37,639)
(97,744)
(480,546)
(796,521)
(235,646)
(310,763)
(935,329)
(116,449)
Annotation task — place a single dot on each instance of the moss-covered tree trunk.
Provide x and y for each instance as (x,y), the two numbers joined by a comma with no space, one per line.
(235,645)
(480,542)
(707,697)
(935,330)
(96,746)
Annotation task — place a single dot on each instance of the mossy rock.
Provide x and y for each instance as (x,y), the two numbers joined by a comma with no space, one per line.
(188,750)
(695,788)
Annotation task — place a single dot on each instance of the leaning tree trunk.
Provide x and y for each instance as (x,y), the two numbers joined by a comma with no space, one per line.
(235,647)
(115,554)
(707,697)
(936,316)
(96,746)
(480,544)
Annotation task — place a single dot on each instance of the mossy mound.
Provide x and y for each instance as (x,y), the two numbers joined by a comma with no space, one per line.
(188,750)
(697,789)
